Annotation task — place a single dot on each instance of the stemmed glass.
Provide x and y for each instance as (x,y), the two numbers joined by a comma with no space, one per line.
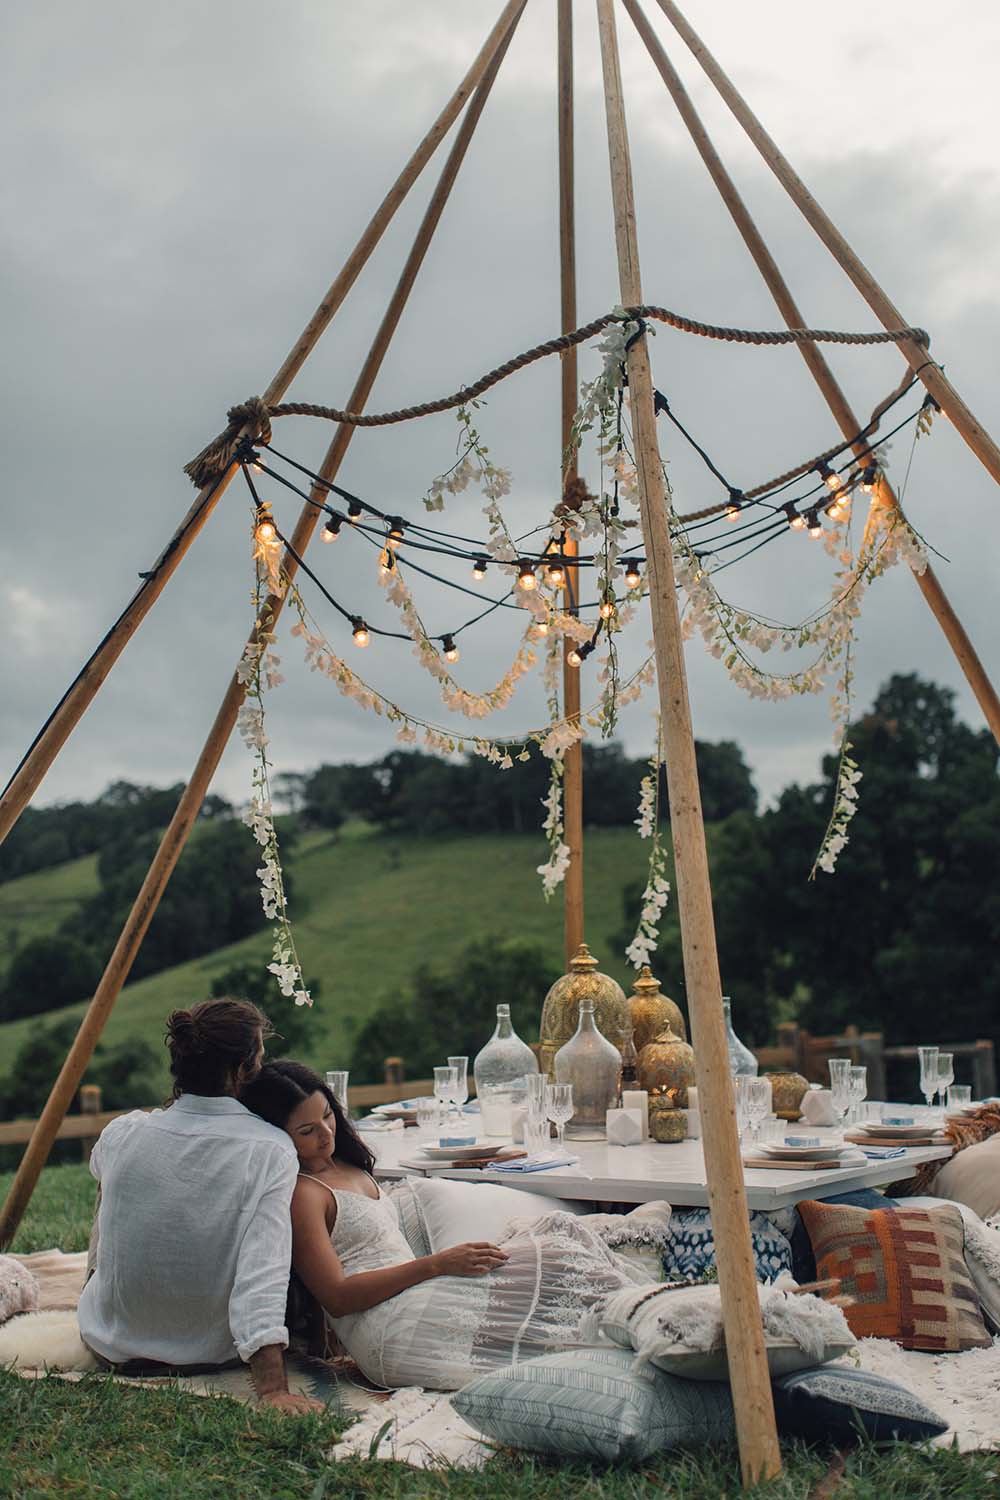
(336,1082)
(840,1086)
(945,1073)
(445,1086)
(559,1106)
(758,1104)
(461,1065)
(859,1091)
(928,1073)
(741,1089)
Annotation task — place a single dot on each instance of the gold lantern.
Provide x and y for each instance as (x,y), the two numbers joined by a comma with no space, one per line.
(666,1069)
(561,1011)
(667,1124)
(788,1090)
(651,1010)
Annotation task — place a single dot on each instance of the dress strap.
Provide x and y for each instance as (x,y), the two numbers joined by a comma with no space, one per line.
(321,1183)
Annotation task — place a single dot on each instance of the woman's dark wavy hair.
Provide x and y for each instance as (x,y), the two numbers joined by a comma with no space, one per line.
(280,1087)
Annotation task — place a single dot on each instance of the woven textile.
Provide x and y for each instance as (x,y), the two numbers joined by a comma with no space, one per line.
(905,1270)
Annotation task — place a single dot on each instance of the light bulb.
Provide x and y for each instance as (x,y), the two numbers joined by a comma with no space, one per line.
(573,657)
(815,524)
(556,575)
(354,510)
(396,525)
(829,478)
(526,576)
(607,608)
(632,575)
(331,530)
(265,529)
(449,648)
(360,632)
(869,479)
(541,627)
(795,521)
(479,569)
(732,512)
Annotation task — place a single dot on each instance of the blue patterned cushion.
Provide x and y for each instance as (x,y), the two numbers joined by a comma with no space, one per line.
(690,1247)
(592,1403)
(835,1402)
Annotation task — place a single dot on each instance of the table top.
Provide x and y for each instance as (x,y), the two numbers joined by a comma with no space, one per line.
(647,1172)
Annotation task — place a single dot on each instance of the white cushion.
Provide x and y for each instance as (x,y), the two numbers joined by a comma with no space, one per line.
(972,1177)
(456,1212)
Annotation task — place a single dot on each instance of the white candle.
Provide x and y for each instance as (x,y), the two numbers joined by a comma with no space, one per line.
(624,1127)
(638,1099)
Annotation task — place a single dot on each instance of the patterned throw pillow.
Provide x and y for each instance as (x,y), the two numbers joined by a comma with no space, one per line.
(690,1247)
(905,1270)
(591,1403)
(835,1403)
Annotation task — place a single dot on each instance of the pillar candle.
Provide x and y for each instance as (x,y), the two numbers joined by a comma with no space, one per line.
(638,1099)
(624,1127)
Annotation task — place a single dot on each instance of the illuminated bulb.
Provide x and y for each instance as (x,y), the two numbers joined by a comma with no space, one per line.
(632,575)
(869,480)
(815,524)
(354,510)
(541,627)
(360,631)
(449,648)
(573,658)
(732,512)
(479,569)
(331,530)
(829,478)
(556,574)
(607,608)
(526,576)
(265,529)
(396,524)
(795,521)
(256,464)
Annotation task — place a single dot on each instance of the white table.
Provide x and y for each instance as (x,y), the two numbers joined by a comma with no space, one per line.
(640,1174)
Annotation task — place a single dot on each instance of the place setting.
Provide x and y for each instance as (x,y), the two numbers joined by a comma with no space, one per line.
(514,1118)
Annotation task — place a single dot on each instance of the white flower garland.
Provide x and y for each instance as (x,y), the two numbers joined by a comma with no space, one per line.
(553,871)
(657,892)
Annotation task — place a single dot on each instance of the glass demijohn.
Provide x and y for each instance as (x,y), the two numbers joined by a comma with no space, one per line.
(741,1059)
(505,1059)
(592,1065)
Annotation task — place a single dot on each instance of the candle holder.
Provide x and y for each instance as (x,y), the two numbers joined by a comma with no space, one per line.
(667,1124)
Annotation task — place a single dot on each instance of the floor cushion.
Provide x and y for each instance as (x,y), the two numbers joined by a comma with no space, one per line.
(803,1259)
(982,1257)
(834,1403)
(904,1269)
(690,1247)
(18,1289)
(594,1403)
(454,1213)
(972,1177)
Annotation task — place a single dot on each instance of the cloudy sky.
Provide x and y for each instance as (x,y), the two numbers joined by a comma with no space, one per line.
(181,183)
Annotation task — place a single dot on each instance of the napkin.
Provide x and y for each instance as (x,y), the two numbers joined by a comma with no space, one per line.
(539,1162)
(379,1123)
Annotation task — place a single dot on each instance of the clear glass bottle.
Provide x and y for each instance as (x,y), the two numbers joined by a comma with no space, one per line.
(741,1059)
(505,1059)
(593,1066)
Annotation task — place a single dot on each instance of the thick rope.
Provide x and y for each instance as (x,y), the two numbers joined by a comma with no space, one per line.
(252,419)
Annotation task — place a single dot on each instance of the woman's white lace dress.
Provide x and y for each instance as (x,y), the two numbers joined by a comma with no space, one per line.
(441,1333)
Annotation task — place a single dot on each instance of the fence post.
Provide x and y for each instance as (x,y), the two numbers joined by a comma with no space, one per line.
(394,1070)
(90,1104)
(984,1070)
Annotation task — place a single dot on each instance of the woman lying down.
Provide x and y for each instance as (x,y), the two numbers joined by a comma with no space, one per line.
(438,1320)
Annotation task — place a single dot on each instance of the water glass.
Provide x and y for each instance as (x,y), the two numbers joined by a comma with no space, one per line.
(741,1089)
(759,1101)
(336,1082)
(959,1096)
(559,1106)
(945,1073)
(771,1130)
(462,1065)
(536,1133)
(928,1073)
(534,1093)
(840,1086)
(427,1111)
(496,1109)
(859,1091)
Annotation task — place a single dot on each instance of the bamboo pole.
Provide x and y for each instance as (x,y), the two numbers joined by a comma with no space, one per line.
(176,835)
(82,692)
(573,891)
(751,1387)
(917,356)
(927,582)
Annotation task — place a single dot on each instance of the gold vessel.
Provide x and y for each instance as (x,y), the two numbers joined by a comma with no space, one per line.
(651,1010)
(666,1069)
(788,1090)
(666,1125)
(561,1011)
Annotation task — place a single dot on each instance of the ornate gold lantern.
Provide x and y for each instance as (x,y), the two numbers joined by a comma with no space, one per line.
(651,1010)
(666,1069)
(667,1125)
(561,1011)
(788,1090)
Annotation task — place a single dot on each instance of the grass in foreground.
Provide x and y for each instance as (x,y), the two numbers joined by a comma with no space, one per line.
(60,1213)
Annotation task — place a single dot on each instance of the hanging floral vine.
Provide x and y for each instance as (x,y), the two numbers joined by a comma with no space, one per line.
(657,892)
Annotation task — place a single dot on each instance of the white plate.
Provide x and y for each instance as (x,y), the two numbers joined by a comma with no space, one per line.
(804,1153)
(401,1107)
(897,1132)
(457,1153)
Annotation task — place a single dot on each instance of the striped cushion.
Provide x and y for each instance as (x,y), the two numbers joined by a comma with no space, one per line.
(591,1403)
(411,1218)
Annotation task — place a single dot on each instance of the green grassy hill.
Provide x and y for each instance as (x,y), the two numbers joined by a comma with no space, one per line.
(366,912)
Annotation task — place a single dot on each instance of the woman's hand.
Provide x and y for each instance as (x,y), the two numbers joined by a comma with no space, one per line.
(476,1259)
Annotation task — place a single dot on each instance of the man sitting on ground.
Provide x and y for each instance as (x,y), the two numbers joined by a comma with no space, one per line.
(194,1225)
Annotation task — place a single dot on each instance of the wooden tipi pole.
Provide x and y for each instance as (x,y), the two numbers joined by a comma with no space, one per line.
(928,582)
(573,759)
(168,853)
(751,1386)
(80,695)
(929,372)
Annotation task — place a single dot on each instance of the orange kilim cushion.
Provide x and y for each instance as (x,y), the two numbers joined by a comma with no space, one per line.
(905,1270)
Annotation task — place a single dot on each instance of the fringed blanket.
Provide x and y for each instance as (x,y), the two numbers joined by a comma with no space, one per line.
(961,1133)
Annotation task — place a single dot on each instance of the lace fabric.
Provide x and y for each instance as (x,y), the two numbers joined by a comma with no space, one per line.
(443,1332)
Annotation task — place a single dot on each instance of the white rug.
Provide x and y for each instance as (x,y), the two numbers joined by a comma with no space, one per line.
(415,1427)
(964,1389)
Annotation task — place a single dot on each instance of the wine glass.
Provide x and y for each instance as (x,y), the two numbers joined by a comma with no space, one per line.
(840,1086)
(758,1103)
(945,1073)
(741,1091)
(445,1086)
(559,1106)
(461,1066)
(859,1091)
(336,1082)
(928,1073)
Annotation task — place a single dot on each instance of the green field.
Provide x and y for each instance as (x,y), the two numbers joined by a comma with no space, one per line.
(34,905)
(367,910)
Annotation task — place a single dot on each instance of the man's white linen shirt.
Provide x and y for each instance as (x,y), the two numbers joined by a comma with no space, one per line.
(195,1235)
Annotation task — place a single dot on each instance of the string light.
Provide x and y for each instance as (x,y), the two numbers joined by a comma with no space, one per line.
(795,521)
(735,505)
(526,575)
(556,574)
(541,627)
(354,510)
(869,479)
(815,524)
(479,569)
(841,505)
(573,658)
(396,528)
(359,630)
(585,650)
(449,648)
(331,530)
(607,607)
(632,575)
(829,478)
(264,529)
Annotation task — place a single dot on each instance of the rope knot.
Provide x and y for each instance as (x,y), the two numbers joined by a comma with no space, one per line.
(249,421)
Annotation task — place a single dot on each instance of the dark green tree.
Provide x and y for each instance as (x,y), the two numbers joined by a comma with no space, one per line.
(47,973)
(293,1023)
